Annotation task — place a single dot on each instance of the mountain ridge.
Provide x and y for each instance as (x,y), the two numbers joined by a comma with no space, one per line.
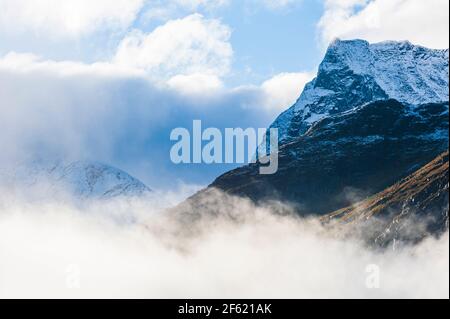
(81,179)
(361,151)
(417,204)
(354,72)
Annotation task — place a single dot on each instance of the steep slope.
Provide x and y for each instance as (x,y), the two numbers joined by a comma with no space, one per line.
(355,72)
(93,179)
(412,208)
(347,156)
(82,179)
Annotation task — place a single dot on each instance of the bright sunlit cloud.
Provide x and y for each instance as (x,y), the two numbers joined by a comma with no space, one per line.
(421,22)
(283,90)
(61,251)
(185,46)
(196,83)
(72,18)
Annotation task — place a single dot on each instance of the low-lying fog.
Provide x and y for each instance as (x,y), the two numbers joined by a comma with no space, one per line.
(133,249)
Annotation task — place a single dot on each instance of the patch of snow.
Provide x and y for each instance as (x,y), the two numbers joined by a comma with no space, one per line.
(81,179)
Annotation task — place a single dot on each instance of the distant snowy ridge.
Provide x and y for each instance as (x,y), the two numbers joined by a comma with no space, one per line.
(355,72)
(81,179)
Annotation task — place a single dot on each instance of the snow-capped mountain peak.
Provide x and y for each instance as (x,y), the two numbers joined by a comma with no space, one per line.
(356,72)
(94,179)
(81,179)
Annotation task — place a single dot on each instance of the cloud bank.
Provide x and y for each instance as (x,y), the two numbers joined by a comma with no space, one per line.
(116,114)
(186,46)
(59,250)
(69,18)
(421,22)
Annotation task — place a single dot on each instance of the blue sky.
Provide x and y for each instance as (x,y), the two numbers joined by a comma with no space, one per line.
(258,32)
(108,80)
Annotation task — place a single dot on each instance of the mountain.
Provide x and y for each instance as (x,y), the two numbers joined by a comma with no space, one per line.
(344,158)
(374,114)
(82,179)
(412,208)
(355,72)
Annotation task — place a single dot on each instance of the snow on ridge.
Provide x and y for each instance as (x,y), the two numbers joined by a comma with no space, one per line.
(355,72)
(80,179)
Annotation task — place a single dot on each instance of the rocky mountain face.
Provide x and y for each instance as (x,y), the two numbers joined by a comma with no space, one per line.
(410,210)
(81,179)
(347,156)
(355,72)
(374,115)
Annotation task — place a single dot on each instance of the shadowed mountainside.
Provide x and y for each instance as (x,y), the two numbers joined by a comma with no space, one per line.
(412,208)
(347,157)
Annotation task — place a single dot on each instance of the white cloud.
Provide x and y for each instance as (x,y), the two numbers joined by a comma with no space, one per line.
(56,18)
(23,63)
(189,55)
(421,22)
(196,84)
(115,114)
(47,250)
(192,45)
(283,90)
